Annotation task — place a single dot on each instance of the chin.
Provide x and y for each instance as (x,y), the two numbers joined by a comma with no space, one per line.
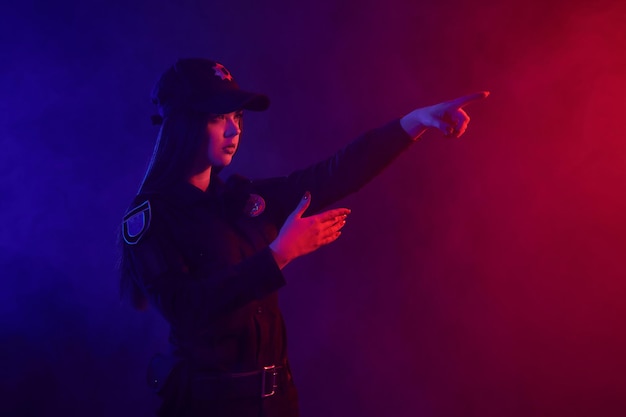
(221,162)
(224,163)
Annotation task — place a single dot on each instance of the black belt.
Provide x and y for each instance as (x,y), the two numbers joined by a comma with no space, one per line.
(228,386)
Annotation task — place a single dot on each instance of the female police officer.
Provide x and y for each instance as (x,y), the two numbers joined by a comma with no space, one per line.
(208,254)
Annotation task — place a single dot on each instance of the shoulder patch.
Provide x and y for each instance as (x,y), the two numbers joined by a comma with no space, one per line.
(136,223)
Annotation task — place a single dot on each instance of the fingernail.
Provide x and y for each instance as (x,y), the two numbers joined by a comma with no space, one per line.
(307,195)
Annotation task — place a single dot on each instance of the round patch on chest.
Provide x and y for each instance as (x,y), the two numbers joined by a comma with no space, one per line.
(254,206)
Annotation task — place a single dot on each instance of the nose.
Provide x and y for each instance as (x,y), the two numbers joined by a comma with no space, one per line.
(232,127)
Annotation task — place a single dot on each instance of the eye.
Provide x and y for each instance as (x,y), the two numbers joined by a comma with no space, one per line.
(216,118)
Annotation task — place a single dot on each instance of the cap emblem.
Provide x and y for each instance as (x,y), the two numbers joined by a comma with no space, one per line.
(222,72)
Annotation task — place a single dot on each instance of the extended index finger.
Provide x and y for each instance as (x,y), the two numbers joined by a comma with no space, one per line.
(468,99)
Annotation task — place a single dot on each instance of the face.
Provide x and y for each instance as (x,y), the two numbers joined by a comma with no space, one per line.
(222,138)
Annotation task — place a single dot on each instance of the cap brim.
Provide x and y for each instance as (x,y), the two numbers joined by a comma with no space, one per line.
(233,100)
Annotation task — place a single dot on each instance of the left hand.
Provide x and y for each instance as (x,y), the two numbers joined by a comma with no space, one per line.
(449,116)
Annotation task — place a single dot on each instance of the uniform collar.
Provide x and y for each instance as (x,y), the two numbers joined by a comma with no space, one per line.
(232,194)
(186,193)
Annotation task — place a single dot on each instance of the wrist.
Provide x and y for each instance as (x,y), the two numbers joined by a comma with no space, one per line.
(412,125)
(280,259)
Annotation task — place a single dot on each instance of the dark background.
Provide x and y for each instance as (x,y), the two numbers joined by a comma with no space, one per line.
(476,277)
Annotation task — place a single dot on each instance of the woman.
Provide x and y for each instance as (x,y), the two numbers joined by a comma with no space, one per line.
(208,254)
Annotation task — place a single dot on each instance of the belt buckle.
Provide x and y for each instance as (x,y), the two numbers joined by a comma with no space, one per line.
(269,370)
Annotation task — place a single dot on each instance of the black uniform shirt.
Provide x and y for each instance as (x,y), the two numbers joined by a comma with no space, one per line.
(203,257)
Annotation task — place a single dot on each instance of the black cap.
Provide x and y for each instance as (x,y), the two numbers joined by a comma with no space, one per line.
(203,85)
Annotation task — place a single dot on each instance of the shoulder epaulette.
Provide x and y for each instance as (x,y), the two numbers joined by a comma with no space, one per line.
(136,223)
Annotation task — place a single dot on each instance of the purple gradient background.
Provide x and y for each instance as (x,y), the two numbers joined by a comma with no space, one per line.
(479,277)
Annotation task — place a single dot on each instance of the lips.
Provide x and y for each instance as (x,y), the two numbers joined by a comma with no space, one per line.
(230,149)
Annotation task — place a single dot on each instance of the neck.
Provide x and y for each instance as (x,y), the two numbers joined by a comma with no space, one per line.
(202,179)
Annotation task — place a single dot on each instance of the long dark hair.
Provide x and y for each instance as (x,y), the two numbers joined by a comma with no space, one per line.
(178,142)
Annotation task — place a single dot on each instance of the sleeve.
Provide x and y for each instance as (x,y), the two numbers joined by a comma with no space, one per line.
(343,173)
(187,297)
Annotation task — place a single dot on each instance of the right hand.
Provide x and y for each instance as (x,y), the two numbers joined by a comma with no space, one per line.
(301,235)
(449,116)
